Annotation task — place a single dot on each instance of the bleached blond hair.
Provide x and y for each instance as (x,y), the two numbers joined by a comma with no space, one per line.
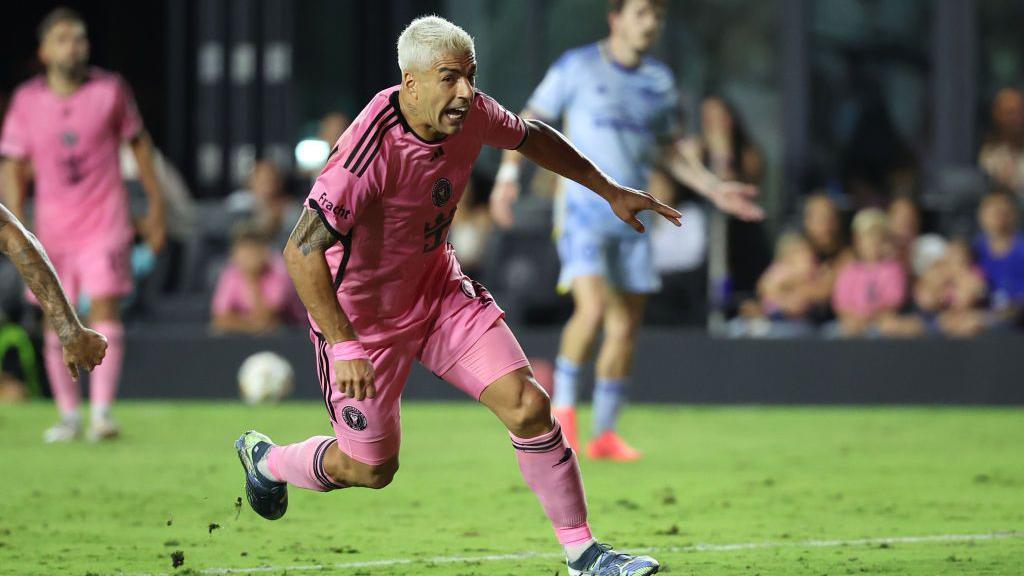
(428,39)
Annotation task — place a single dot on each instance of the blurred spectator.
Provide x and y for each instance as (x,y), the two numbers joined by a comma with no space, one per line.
(724,145)
(823,230)
(265,202)
(332,126)
(950,291)
(1002,153)
(786,293)
(904,227)
(470,229)
(178,203)
(870,290)
(254,294)
(1000,253)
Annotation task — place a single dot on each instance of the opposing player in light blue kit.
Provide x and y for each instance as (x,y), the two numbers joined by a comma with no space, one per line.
(620,107)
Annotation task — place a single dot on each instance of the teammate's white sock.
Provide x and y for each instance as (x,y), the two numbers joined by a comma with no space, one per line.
(567,376)
(99,412)
(608,397)
(576,549)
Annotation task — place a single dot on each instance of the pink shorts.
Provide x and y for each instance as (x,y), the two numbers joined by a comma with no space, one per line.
(369,430)
(100,272)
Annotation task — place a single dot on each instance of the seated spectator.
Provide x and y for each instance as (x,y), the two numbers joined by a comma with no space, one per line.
(871,290)
(254,294)
(1000,253)
(786,294)
(951,291)
(904,227)
(265,202)
(1002,153)
(823,230)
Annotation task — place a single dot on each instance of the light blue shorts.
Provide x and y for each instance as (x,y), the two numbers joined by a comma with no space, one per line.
(625,262)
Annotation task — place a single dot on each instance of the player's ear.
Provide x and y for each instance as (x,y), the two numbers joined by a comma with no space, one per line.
(410,84)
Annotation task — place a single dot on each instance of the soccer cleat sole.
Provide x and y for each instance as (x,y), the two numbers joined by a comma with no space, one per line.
(261,500)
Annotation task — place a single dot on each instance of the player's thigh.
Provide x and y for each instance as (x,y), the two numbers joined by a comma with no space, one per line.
(590,296)
(490,357)
(369,430)
(106,272)
(624,312)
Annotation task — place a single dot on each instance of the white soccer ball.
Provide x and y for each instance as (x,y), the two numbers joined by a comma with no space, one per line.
(265,377)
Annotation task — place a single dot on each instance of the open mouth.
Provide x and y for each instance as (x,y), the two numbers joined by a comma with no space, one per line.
(456,113)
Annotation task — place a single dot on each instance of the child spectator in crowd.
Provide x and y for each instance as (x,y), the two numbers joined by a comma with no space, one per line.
(254,294)
(870,290)
(904,227)
(823,230)
(950,291)
(787,288)
(1000,253)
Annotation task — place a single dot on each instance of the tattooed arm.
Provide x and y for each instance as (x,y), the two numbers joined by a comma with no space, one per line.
(304,255)
(82,347)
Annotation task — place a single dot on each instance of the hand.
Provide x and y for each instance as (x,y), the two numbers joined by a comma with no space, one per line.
(503,196)
(735,198)
(154,229)
(627,202)
(84,349)
(355,378)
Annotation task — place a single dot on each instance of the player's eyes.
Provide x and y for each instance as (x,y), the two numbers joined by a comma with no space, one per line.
(447,79)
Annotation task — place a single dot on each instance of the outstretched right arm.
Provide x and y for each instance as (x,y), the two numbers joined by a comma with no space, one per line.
(82,347)
(307,265)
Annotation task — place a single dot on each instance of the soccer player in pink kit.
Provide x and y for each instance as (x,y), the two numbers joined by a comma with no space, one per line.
(383,288)
(67,126)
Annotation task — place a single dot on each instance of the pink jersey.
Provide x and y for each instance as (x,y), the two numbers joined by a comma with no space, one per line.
(866,288)
(390,197)
(232,294)
(72,143)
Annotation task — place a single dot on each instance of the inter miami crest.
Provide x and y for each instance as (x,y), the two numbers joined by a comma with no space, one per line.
(353,418)
(441,193)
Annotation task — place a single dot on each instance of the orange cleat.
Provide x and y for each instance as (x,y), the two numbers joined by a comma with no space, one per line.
(611,446)
(566,416)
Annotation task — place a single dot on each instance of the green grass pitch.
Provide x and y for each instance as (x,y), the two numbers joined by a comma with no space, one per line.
(768,491)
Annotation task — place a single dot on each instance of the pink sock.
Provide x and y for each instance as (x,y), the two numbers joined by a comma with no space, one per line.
(104,379)
(552,471)
(65,390)
(302,464)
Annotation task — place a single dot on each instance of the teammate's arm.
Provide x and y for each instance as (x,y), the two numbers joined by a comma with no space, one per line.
(683,161)
(82,347)
(153,226)
(506,184)
(307,266)
(15,180)
(546,147)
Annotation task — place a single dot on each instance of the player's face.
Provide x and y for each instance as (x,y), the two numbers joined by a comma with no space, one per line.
(638,23)
(446,92)
(65,48)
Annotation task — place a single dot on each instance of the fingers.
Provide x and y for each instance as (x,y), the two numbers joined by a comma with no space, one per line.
(670,214)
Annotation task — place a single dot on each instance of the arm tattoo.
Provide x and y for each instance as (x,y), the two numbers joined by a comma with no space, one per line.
(41,279)
(310,234)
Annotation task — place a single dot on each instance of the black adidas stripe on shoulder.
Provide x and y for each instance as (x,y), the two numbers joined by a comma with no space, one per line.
(370,141)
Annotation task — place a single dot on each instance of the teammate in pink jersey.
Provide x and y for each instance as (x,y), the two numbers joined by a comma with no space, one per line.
(67,126)
(383,288)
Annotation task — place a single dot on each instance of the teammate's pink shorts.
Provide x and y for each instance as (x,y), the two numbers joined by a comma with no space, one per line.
(470,349)
(97,272)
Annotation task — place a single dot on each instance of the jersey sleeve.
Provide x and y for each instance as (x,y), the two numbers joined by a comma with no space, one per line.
(353,178)
(127,120)
(503,129)
(14,141)
(552,95)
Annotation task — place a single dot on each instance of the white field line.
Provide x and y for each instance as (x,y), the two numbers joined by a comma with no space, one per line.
(669,549)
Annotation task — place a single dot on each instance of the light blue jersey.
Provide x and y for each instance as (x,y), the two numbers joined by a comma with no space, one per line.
(618,117)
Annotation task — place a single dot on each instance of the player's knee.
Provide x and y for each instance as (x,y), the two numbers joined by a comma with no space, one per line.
(590,315)
(532,413)
(621,327)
